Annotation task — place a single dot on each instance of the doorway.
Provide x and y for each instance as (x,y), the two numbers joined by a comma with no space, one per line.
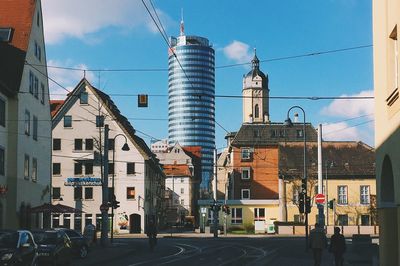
(135,224)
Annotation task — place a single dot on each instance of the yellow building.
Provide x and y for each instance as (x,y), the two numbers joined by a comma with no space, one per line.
(386,17)
(348,180)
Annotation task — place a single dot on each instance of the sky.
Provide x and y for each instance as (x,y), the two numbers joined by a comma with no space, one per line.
(119,34)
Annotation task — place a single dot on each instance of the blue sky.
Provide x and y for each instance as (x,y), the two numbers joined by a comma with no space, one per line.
(119,34)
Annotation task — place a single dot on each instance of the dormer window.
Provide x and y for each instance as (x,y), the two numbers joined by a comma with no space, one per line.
(245,154)
(5,34)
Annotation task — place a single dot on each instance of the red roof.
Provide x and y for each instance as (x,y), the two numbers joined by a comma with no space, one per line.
(55,105)
(177,170)
(194,150)
(18,14)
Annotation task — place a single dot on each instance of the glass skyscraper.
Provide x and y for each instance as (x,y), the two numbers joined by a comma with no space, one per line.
(191,97)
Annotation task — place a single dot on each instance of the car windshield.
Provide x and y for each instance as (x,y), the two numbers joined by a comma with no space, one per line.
(45,238)
(8,239)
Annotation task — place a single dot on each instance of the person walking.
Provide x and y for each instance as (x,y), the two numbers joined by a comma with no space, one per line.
(152,234)
(338,246)
(318,243)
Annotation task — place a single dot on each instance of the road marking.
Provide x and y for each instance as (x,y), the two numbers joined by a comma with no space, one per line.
(181,250)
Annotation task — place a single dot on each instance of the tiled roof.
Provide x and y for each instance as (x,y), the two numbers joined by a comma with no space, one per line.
(192,151)
(55,105)
(252,134)
(345,159)
(176,170)
(18,15)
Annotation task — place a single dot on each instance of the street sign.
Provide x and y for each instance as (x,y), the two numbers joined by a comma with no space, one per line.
(203,210)
(104,208)
(320,198)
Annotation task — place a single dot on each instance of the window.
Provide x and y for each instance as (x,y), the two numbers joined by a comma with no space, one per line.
(26,167)
(89,144)
(38,51)
(236,217)
(77,193)
(111,144)
(2,161)
(256,133)
(36,88)
(88,193)
(77,168)
(299,133)
(35,128)
(56,168)
(2,112)
(42,93)
(67,121)
(130,193)
(88,168)
(245,173)
(111,168)
(182,191)
(27,122)
(259,214)
(38,19)
(365,219)
(99,121)
(88,219)
(274,133)
(56,220)
(296,195)
(56,193)
(364,194)
(256,111)
(182,202)
(31,82)
(56,144)
(182,180)
(245,193)
(342,195)
(130,168)
(78,144)
(84,97)
(34,169)
(77,223)
(245,153)
(296,218)
(5,34)
(343,219)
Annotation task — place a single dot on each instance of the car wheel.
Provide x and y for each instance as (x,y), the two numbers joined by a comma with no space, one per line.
(83,252)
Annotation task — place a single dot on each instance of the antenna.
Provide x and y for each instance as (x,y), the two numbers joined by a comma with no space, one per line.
(182,28)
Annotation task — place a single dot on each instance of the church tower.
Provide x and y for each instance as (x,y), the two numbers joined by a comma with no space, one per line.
(255,94)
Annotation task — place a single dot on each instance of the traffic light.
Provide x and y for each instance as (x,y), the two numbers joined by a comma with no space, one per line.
(330,204)
(301,202)
(308,204)
(228,211)
(304,186)
(114,203)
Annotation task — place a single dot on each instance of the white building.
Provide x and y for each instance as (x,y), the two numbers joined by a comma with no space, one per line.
(183,176)
(78,133)
(25,122)
(160,146)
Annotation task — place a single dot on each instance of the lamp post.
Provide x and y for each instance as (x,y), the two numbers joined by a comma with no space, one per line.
(288,122)
(125,147)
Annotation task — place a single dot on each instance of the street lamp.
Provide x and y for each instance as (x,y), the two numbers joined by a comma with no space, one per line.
(125,147)
(288,122)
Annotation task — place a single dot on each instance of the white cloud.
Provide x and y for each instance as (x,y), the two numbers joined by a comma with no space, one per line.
(79,19)
(67,78)
(340,131)
(238,51)
(350,108)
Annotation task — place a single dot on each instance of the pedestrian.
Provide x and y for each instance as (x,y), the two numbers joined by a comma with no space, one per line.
(338,246)
(152,233)
(318,243)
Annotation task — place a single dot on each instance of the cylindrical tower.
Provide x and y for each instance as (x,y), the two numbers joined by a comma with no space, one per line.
(191,97)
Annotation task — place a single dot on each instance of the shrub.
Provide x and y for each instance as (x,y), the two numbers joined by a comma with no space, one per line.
(249,228)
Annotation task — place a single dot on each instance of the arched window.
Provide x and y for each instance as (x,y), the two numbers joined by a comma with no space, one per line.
(256,111)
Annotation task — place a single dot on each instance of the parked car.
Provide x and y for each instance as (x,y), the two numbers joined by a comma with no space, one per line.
(80,244)
(54,246)
(17,247)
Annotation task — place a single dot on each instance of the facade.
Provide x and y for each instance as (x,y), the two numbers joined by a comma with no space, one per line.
(191,102)
(348,179)
(25,122)
(182,167)
(78,135)
(386,17)
(160,146)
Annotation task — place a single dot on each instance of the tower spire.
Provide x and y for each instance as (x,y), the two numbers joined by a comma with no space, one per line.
(182,28)
(255,62)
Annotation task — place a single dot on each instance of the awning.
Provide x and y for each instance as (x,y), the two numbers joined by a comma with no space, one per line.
(59,208)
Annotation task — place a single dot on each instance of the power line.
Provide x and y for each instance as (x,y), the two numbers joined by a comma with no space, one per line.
(356,125)
(217,67)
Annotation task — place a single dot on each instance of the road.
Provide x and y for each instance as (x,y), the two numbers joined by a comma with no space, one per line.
(271,251)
